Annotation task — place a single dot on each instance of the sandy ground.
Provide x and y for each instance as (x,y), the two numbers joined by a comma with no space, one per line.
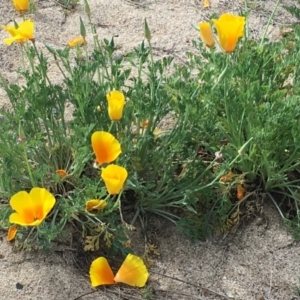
(259,261)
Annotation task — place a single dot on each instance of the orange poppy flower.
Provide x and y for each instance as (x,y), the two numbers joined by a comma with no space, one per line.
(229,28)
(206,34)
(106,147)
(31,208)
(116,102)
(114,178)
(21,5)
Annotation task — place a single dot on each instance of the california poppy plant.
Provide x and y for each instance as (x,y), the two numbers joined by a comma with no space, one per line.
(114,178)
(24,31)
(78,41)
(133,272)
(206,34)
(229,28)
(21,5)
(116,102)
(105,146)
(31,208)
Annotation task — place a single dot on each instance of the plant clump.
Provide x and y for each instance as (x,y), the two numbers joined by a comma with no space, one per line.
(234,138)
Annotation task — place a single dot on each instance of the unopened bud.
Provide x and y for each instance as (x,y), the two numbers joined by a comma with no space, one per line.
(147,31)
(87,9)
(82,29)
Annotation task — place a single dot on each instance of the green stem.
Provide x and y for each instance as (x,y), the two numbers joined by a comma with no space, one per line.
(44,72)
(111,126)
(33,183)
(29,56)
(268,24)
(118,201)
(151,53)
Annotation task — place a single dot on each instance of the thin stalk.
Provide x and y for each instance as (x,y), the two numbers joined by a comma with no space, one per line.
(268,24)
(40,60)
(276,205)
(28,166)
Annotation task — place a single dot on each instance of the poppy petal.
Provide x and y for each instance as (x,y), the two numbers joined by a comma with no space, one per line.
(101,273)
(78,41)
(12,231)
(240,192)
(10,29)
(16,38)
(26,29)
(21,202)
(132,272)
(25,219)
(43,201)
(206,34)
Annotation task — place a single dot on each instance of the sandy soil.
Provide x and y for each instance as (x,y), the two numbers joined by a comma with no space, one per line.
(259,261)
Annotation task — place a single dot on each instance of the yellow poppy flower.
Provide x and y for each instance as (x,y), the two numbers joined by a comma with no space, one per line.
(114,178)
(229,28)
(101,273)
(95,204)
(26,29)
(12,231)
(24,32)
(116,102)
(132,272)
(105,146)
(206,34)
(31,208)
(21,5)
(78,41)
(15,36)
